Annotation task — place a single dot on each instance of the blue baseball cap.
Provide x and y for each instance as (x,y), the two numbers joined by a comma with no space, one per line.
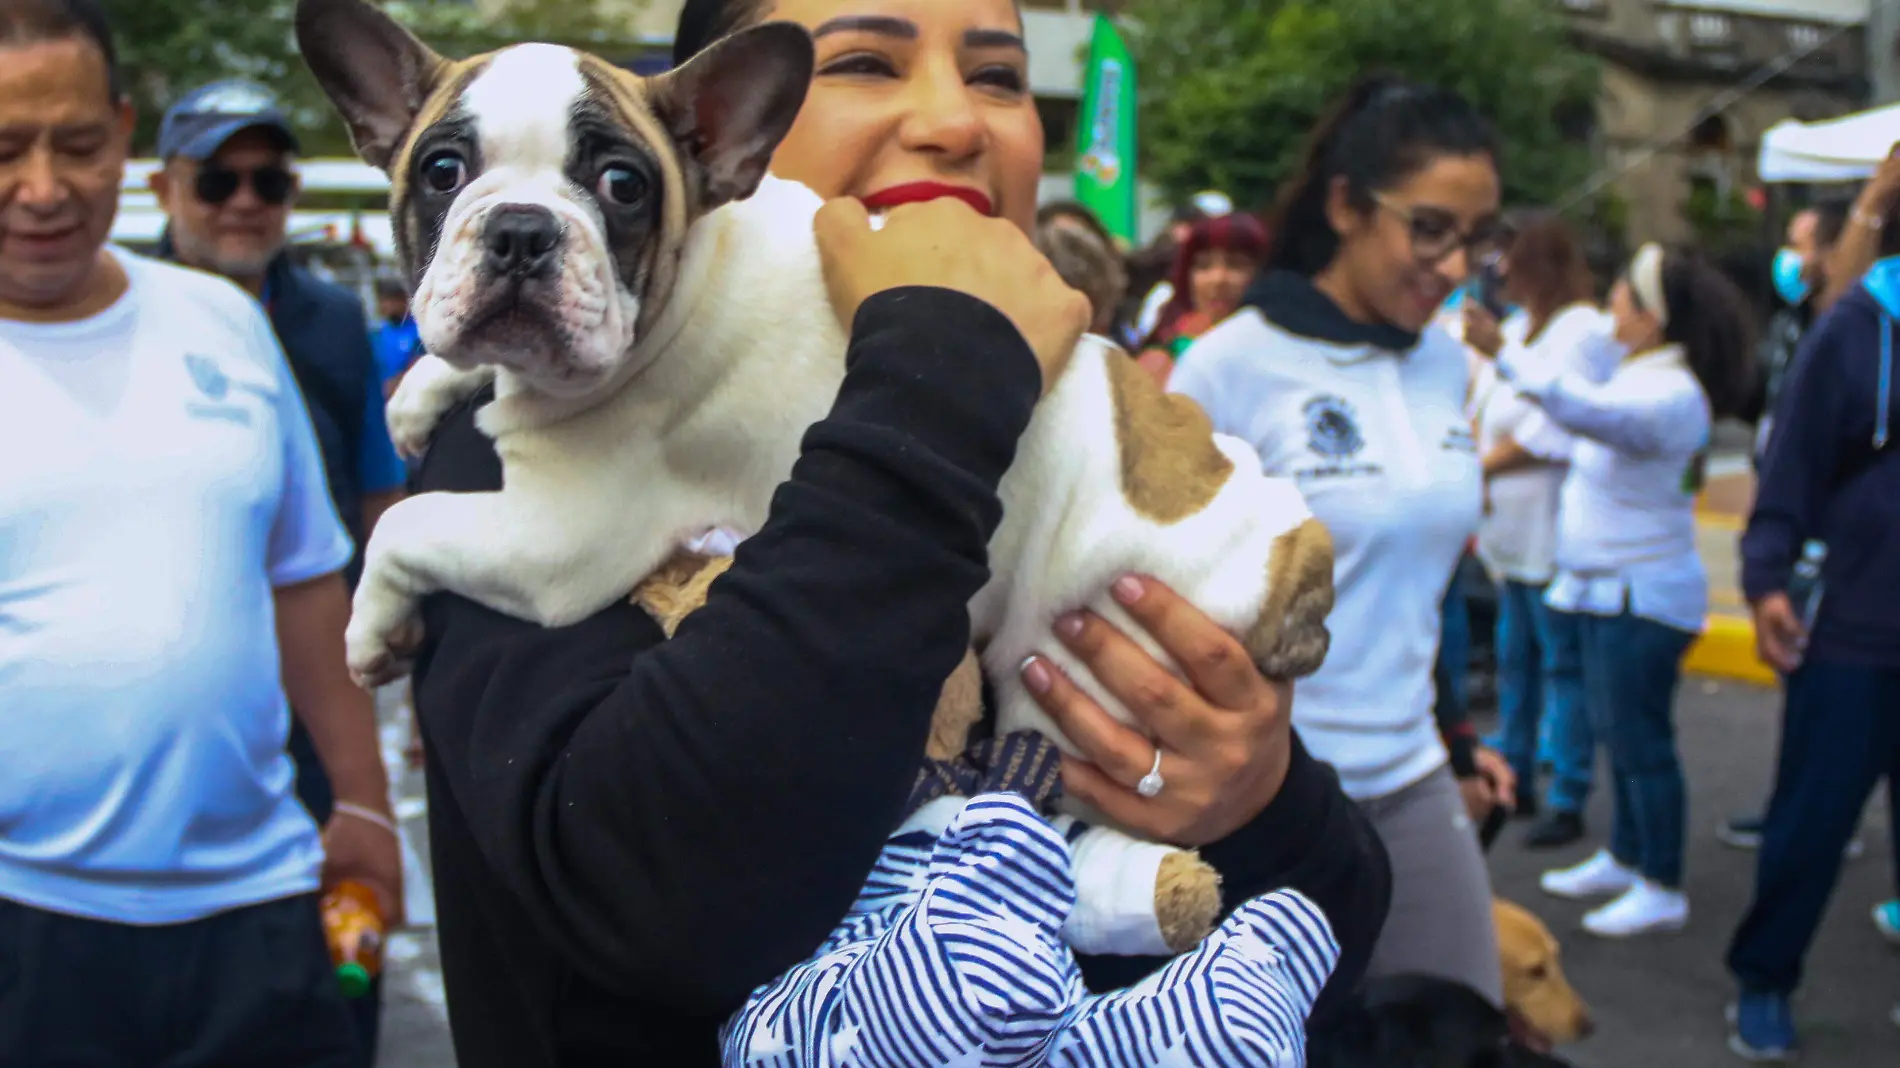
(204,119)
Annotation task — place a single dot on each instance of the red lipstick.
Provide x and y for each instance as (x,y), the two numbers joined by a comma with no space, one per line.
(918,192)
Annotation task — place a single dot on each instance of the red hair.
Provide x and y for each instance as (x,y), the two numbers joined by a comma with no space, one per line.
(1236,232)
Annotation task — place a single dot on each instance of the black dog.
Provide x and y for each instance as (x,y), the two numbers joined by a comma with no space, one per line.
(1415,1021)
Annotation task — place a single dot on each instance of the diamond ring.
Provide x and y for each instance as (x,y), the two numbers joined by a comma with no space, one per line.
(1151,783)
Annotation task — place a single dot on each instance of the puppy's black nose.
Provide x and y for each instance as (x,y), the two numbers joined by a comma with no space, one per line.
(520,241)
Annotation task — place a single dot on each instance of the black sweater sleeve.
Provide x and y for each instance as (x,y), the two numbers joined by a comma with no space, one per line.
(684,820)
(1313,839)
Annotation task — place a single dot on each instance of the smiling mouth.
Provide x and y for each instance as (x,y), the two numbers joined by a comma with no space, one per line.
(920,192)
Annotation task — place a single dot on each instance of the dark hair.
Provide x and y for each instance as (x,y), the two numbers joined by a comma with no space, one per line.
(1075,209)
(1238,232)
(1830,219)
(1548,264)
(704,21)
(25,22)
(1380,133)
(1708,317)
(1089,265)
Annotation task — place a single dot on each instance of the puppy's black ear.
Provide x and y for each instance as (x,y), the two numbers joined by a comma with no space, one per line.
(376,73)
(730,106)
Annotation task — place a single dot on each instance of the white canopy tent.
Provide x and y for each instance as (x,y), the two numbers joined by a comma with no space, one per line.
(1837,150)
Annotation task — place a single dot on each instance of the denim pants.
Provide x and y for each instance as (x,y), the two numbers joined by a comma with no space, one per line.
(1630,670)
(1540,696)
(1840,735)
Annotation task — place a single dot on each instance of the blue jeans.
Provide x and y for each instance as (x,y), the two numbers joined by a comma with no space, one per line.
(1840,735)
(1630,670)
(1569,740)
(1540,697)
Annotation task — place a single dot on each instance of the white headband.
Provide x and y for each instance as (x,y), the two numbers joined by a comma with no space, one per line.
(1646,279)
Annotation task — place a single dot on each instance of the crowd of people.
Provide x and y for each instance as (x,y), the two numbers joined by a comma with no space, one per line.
(631,835)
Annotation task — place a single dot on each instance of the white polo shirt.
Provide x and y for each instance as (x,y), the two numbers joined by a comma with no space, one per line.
(1379,444)
(161,480)
(1626,536)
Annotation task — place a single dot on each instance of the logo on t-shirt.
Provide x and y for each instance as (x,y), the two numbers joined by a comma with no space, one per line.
(209,377)
(216,387)
(1332,429)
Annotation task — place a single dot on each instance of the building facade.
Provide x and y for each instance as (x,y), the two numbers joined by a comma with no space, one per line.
(1690,87)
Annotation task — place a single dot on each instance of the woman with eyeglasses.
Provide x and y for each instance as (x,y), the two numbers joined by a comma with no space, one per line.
(1640,407)
(1331,371)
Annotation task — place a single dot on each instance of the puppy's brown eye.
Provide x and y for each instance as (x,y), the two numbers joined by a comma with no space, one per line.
(444,172)
(621,185)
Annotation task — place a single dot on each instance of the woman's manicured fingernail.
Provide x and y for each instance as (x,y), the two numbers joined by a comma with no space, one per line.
(1070,626)
(1128,589)
(1036,675)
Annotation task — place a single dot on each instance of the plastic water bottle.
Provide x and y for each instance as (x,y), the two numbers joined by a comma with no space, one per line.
(1805,587)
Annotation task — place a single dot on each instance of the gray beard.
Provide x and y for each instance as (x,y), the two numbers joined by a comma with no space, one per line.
(194,253)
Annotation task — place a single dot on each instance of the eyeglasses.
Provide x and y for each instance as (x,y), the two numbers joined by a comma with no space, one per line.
(1435,232)
(215,185)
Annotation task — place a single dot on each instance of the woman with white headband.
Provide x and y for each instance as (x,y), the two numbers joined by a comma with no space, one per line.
(1641,405)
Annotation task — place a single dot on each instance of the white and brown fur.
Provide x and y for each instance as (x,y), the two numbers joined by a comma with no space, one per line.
(662,387)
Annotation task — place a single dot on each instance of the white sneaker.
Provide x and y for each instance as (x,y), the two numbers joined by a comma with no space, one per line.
(1644,909)
(1600,876)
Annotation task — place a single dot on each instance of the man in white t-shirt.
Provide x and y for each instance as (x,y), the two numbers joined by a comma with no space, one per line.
(170,572)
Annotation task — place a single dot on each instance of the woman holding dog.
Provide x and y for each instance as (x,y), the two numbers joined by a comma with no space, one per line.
(1640,406)
(675,823)
(1332,371)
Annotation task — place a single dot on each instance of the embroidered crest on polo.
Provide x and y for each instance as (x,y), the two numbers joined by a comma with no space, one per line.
(207,375)
(1332,427)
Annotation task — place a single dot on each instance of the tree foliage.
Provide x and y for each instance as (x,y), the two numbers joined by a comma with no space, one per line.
(169,47)
(1231,88)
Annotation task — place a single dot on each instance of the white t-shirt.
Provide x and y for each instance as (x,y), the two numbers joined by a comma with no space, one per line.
(1379,444)
(161,480)
(1518,539)
(1626,529)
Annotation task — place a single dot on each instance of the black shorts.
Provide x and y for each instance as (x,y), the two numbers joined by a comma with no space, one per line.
(249,988)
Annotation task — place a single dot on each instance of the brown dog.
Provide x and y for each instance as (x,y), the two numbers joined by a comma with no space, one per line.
(1536,994)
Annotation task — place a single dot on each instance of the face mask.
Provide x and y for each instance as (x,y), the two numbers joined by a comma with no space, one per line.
(1789,283)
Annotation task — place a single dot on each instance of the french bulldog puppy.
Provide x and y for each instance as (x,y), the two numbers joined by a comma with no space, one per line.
(649,303)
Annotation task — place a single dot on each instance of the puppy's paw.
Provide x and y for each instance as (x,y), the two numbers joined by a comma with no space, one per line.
(428,391)
(380,646)
(1290,639)
(1187,899)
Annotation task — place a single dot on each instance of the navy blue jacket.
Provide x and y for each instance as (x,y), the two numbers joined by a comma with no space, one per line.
(1823,477)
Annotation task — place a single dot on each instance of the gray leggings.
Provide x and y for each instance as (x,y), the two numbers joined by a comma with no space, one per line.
(1440,923)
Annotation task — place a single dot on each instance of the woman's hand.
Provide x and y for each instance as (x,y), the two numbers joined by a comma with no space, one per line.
(946,244)
(1481,329)
(1225,737)
(1494,785)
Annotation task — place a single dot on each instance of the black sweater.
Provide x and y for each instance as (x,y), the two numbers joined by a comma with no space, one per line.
(631,834)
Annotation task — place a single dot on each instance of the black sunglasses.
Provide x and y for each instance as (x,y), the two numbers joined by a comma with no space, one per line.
(273,185)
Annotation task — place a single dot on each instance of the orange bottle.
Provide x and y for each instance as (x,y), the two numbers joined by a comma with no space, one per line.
(353,925)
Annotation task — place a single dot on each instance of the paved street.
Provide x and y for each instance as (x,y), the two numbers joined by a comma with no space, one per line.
(1657,1003)
(1660,1003)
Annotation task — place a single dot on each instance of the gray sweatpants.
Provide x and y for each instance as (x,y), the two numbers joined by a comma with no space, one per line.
(1440,923)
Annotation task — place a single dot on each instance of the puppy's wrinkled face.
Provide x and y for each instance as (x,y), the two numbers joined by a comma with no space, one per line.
(541,196)
(533,216)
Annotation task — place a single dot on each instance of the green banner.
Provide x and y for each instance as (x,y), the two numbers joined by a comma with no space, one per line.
(1105,148)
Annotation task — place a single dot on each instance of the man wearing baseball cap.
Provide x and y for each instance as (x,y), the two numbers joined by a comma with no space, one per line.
(170,588)
(227,186)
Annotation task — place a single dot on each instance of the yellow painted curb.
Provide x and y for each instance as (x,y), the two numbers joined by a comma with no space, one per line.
(1726,650)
